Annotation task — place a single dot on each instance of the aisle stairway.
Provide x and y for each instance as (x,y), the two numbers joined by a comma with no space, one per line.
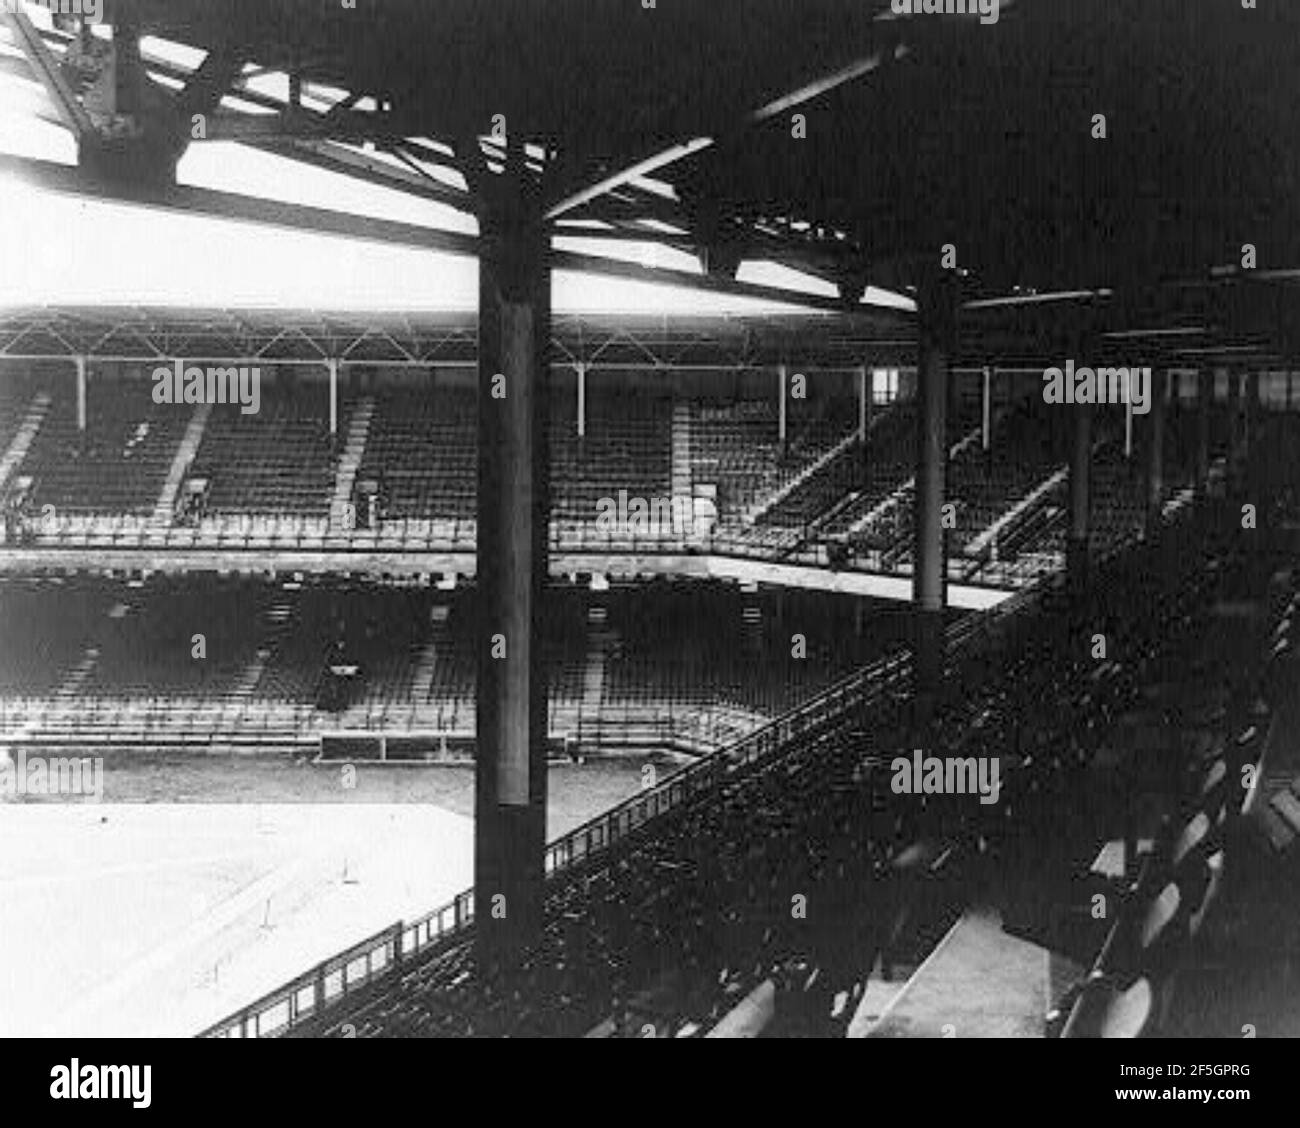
(354,450)
(26,435)
(165,507)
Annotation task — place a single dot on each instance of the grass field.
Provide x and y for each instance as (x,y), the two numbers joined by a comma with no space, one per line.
(203,882)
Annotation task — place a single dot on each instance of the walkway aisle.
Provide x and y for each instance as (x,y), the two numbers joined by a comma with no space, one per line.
(978,983)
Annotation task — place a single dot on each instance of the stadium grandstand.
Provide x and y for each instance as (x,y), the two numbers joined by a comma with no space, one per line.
(801,497)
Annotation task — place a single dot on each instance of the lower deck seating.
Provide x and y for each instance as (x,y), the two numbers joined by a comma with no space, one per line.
(675,927)
(182,645)
(46,626)
(1131,987)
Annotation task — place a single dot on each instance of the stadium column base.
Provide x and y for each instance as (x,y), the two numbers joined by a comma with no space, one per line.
(928,687)
(1155,453)
(508,875)
(1076,563)
(1204,422)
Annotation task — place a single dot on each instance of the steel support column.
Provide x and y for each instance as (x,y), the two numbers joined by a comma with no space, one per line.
(986,410)
(333,365)
(81,393)
(581,370)
(1234,412)
(1080,495)
(782,421)
(1204,419)
(864,409)
(1156,449)
(513,511)
(1252,407)
(936,323)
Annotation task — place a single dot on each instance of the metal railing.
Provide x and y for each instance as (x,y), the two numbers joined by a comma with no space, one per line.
(361,967)
(305,998)
(315,991)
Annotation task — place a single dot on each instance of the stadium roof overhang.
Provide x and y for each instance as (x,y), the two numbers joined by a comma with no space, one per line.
(410,340)
(676,124)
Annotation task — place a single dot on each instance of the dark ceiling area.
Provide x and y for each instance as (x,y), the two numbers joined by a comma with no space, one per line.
(918,131)
(983,137)
(964,132)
